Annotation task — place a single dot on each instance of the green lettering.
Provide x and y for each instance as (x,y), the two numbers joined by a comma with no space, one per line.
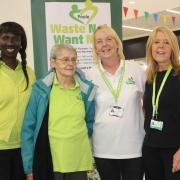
(92,28)
(89,39)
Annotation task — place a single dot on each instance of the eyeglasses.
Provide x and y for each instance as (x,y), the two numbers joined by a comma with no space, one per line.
(67,60)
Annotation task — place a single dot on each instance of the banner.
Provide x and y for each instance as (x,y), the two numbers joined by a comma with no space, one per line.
(73,23)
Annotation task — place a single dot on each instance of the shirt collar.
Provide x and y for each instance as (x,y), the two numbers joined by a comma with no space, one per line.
(117,71)
(3,64)
(56,83)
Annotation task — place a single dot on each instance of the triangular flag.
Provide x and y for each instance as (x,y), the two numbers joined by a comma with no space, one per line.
(136,13)
(165,19)
(174,20)
(146,15)
(155,17)
(125,9)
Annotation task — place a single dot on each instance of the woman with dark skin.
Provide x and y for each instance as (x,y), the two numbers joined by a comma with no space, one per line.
(15,87)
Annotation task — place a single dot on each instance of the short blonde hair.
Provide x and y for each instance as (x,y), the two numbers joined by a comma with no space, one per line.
(114,35)
(152,66)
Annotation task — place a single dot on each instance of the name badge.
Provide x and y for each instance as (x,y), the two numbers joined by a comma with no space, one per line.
(156,125)
(116,111)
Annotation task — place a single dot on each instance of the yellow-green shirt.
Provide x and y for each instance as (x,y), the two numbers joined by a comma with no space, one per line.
(69,142)
(13,102)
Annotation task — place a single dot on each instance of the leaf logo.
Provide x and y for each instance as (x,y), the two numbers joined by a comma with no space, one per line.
(83,16)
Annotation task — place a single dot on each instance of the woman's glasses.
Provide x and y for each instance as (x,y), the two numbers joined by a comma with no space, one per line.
(67,60)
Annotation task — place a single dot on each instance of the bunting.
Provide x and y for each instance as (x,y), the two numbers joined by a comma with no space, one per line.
(146,15)
(173,19)
(125,9)
(155,16)
(165,19)
(136,13)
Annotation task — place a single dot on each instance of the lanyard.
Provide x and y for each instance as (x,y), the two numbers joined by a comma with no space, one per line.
(155,102)
(115,92)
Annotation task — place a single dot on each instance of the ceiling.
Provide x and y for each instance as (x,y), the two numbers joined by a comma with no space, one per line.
(151,6)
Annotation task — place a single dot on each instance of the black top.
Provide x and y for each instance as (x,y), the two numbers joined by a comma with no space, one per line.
(168,112)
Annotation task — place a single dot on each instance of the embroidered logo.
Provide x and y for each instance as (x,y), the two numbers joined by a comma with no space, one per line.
(130,80)
(79,97)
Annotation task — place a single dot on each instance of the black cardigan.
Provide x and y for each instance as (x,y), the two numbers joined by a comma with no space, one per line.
(169,113)
(42,162)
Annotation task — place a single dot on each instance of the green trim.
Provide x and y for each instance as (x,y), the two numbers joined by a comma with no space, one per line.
(39,29)
(39,37)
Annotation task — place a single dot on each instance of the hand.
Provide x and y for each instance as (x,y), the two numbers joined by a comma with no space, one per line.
(176,161)
(29,176)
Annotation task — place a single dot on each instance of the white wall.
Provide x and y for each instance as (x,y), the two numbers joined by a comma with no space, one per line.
(20,12)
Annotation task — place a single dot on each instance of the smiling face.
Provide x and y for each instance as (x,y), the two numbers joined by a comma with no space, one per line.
(105,45)
(64,63)
(161,49)
(9,45)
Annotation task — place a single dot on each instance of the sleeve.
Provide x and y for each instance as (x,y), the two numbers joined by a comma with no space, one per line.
(31,74)
(90,111)
(90,118)
(28,132)
(141,78)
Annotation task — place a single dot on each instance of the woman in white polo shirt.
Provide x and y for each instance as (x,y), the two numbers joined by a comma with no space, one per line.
(118,129)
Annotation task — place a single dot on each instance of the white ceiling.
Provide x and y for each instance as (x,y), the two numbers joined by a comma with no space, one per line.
(151,6)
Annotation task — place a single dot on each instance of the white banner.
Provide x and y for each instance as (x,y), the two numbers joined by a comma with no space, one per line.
(73,23)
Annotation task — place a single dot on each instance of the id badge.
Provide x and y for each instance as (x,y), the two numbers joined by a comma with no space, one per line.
(156,125)
(116,111)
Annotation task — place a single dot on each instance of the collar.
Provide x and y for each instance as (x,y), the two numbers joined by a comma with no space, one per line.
(56,83)
(3,64)
(117,71)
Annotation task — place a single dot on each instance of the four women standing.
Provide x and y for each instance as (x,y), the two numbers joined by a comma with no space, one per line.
(118,129)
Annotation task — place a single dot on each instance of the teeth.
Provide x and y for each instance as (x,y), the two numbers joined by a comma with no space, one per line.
(106,50)
(160,52)
(10,49)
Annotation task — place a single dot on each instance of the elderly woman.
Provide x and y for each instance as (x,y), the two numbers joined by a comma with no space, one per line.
(161,149)
(118,128)
(58,120)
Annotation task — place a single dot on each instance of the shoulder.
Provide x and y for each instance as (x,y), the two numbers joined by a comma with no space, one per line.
(134,67)
(92,73)
(31,73)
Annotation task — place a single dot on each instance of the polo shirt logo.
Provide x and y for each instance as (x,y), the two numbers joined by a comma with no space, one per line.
(130,80)
(79,97)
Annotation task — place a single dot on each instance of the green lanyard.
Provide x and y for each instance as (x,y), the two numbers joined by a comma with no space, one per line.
(155,102)
(114,92)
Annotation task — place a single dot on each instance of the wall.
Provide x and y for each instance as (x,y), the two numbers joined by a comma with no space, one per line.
(19,11)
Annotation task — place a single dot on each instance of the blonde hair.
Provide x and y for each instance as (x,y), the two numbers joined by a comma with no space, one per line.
(114,35)
(152,66)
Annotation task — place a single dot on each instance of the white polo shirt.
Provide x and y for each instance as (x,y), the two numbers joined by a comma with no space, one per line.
(119,137)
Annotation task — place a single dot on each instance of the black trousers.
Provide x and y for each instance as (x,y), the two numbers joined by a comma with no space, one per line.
(11,167)
(158,163)
(115,169)
(70,176)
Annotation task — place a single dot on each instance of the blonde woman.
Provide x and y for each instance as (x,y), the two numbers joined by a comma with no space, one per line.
(161,149)
(118,128)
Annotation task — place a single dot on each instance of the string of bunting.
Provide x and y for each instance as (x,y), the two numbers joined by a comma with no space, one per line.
(156,16)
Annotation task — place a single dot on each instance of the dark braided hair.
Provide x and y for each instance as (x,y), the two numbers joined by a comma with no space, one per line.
(17,29)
